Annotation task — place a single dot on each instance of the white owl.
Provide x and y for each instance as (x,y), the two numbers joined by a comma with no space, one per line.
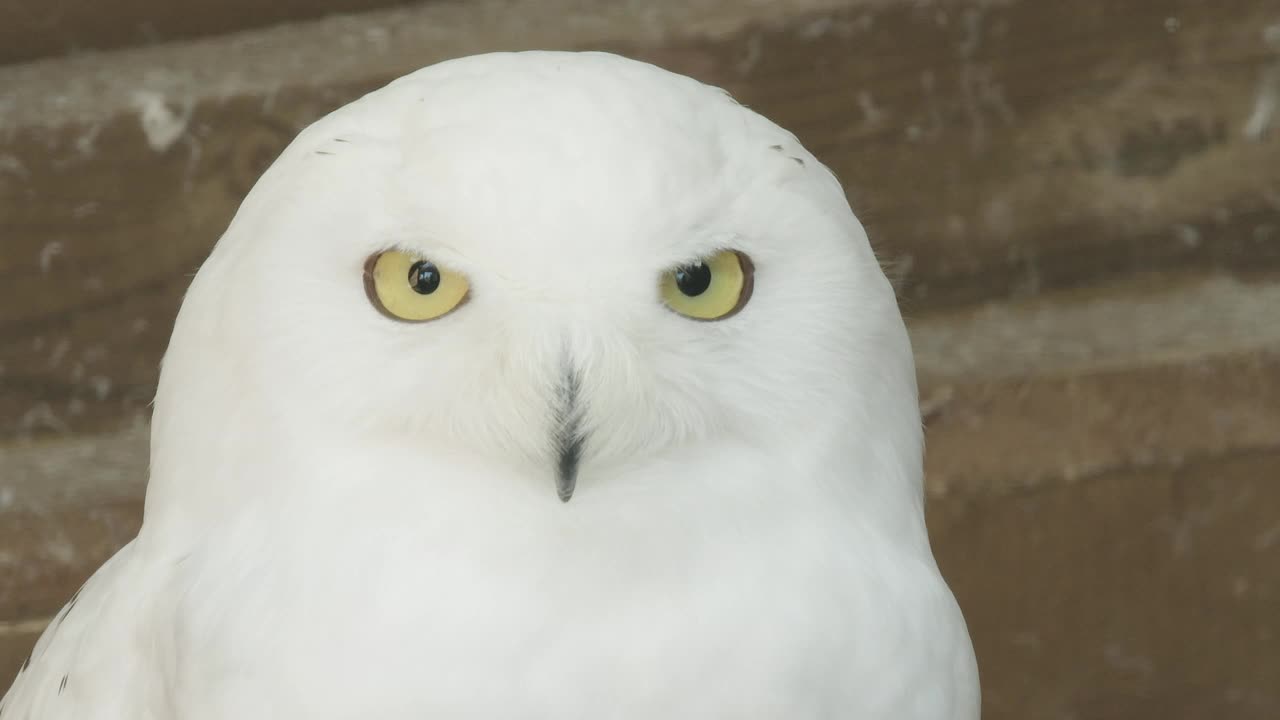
(533,385)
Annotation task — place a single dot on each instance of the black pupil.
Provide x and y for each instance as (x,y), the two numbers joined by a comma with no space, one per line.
(693,280)
(424,277)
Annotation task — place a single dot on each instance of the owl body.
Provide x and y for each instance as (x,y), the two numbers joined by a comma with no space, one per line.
(652,451)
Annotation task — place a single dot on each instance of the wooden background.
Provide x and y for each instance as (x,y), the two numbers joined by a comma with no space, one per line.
(1080,203)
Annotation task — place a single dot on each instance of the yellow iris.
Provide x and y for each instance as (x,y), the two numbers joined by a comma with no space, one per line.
(713,288)
(411,288)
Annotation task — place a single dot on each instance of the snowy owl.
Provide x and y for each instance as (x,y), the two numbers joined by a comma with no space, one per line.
(532,385)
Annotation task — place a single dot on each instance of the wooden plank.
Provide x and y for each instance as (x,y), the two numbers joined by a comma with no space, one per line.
(16,641)
(31,29)
(66,506)
(1137,595)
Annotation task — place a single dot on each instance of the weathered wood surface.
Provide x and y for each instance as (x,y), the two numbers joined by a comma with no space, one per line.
(31,29)
(1142,594)
(1081,204)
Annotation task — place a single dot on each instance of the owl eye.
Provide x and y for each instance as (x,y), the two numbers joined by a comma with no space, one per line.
(413,289)
(712,288)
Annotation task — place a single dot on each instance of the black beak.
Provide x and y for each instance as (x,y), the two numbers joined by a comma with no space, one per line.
(568,437)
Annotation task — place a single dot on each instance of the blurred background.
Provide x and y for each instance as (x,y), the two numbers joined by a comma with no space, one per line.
(1079,202)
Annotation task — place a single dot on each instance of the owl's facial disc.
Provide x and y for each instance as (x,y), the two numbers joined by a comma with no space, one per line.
(407,287)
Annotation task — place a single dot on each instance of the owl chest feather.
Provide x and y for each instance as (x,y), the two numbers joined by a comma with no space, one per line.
(656,610)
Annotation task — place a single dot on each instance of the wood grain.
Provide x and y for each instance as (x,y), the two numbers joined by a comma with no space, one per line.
(1142,594)
(31,29)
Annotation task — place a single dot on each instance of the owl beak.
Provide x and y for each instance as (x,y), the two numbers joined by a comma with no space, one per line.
(567,475)
(567,436)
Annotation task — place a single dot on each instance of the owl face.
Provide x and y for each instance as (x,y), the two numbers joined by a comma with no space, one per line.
(567,262)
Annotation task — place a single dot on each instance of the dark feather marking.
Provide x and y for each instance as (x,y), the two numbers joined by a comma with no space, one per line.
(323,152)
(62,685)
(70,604)
(568,436)
(341,140)
(778,148)
(25,661)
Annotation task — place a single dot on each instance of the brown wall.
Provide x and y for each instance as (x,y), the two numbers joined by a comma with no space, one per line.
(32,29)
(1080,203)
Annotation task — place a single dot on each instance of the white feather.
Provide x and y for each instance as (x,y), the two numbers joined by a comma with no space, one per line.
(350,517)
